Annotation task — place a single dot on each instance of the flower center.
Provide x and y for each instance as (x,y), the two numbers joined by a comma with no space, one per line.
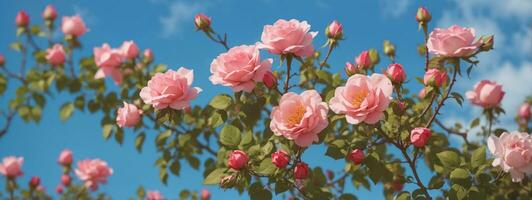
(359,98)
(295,118)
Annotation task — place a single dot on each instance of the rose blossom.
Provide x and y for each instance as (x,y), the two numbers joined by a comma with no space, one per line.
(356,156)
(11,166)
(363,98)
(49,13)
(154,195)
(22,19)
(109,61)
(73,25)
(239,68)
(300,117)
(420,136)
(205,194)
(170,89)
(486,94)
(129,115)
(55,55)
(288,37)
(280,159)
(363,60)
(237,160)
(524,111)
(65,158)
(435,77)
(129,50)
(454,41)
(513,153)
(301,170)
(93,172)
(396,73)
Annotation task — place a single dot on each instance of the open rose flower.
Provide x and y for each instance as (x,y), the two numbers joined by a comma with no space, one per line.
(513,153)
(170,89)
(128,116)
(73,25)
(109,61)
(93,172)
(486,94)
(288,37)
(454,41)
(55,55)
(239,68)
(300,117)
(363,98)
(11,166)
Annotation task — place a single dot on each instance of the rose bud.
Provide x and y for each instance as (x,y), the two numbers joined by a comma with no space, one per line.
(49,13)
(128,116)
(363,60)
(350,69)
(280,159)
(59,189)
(22,19)
(389,48)
(35,181)
(301,170)
(148,55)
(435,77)
(205,194)
(66,180)
(420,136)
(202,22)
(423,15)
(396,73)
(2,60)
(237,160)
(524,111)
(269,80)
(486,43)
(11,167)
(334,30)
(356,156)
(486,94)
(65,158)
(55,55)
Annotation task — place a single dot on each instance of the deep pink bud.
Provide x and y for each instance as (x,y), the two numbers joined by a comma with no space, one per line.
(334,30)
(34,182)
(49,13)
(420,136)
(435,77)
(59,189)
(363,60)
(202,21)
(269,80)
(524,111)
(280,159)
(66,180)
(396,73)
(22,19)
(301,170)
(205,194)
(350,69)
(237,160)
(65,158)
(356,156)
(423,15)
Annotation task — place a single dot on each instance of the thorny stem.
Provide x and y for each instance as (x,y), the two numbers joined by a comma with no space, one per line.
(442,101)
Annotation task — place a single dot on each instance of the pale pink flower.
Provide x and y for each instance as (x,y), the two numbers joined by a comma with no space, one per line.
(486,94)
(73,25)
(93,172)
(513,153)
(288,37)
(128,116)
(11,166)
(454,41)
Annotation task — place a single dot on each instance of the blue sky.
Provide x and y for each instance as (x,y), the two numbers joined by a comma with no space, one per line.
(166,27)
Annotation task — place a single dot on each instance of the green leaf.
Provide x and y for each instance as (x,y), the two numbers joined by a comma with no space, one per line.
(221,102)
(230,136)
(66,111)
(266,167)
(449,159)
(214,177)
(478,157)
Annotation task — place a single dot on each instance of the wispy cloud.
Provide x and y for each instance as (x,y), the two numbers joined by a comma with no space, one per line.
(394,8)
(179,14)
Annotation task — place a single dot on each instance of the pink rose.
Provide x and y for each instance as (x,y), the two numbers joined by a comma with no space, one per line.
(154,195)
(49,13)
(109,61)
(128,116)
(129,50)
(269,80)
(513,152)
(420,136)
(65,158)
(363,98)
(363,60)
(435,77)
(356,156)
(22,19)
(454,41)
(66,180)
(35,181)
(524,111)
(280,159)
(93,172)
(170,89)
(288,37)
(300,117)
(55,55)
(239,68)
(11,166)
(73,25)
(350,69)
(486,94)
(301,170)
(396,73)
(237,160)
(205,194)
(202,21)
(334,30)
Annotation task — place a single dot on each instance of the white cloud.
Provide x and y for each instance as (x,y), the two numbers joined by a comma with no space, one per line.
(179,14)
(394,8)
